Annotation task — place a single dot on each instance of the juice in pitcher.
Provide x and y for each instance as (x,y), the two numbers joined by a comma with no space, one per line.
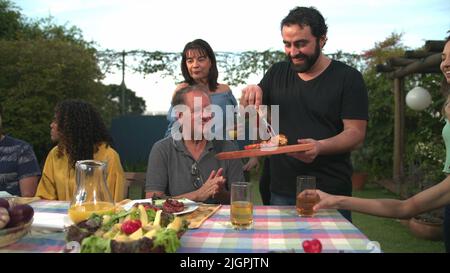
(92,194)
(79,213)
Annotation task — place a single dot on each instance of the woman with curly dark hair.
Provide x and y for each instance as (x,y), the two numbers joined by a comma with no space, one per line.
(80,133)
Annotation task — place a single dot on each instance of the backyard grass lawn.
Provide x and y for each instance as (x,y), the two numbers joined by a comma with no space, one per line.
(390,233)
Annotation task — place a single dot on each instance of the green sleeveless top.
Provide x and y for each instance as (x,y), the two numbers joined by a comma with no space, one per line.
(446,136)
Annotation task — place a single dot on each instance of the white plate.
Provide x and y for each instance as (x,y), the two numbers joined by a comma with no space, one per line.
(130,204)
(189,205)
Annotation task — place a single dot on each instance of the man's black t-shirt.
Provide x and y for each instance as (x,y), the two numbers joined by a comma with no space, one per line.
(314,109)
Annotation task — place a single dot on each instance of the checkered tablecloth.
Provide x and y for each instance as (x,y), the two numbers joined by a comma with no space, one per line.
(275,229)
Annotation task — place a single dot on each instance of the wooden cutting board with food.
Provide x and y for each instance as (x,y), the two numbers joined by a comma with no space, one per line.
(275,145)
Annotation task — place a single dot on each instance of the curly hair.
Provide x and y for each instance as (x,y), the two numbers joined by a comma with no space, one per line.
(81,130)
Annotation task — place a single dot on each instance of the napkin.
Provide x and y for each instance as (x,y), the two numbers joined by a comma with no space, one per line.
(5,194)
(50,221)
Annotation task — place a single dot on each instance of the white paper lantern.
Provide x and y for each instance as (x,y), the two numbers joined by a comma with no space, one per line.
(418,98)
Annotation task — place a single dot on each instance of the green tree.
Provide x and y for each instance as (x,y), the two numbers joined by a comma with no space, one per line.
(235,68)
(424,146)
(10,20)
(134,104)
(14,26)
(238,67)
(42,63)
(35,75)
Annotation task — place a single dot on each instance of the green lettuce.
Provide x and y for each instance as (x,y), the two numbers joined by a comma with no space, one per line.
(94,244)
(168,239)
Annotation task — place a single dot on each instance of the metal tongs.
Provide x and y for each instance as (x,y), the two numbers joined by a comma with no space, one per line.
(269,127)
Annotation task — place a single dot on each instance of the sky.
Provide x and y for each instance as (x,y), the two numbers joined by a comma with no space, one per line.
(233,26)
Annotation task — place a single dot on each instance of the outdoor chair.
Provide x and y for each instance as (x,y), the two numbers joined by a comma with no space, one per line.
(135,185)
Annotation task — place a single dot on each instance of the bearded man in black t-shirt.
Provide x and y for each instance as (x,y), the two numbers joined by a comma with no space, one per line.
(321,101)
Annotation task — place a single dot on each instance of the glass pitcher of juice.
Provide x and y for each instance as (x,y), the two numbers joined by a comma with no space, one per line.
(92,194)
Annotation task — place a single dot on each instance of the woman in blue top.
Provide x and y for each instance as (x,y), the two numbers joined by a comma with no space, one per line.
(199,66)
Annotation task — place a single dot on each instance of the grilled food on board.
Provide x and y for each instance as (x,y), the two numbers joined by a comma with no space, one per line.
(278,140)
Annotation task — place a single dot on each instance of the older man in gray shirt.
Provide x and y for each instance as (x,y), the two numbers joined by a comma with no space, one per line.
(184,165)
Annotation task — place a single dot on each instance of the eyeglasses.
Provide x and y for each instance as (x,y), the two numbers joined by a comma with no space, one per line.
(196,175)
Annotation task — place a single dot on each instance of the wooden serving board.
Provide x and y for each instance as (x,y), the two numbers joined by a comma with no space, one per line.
(198,216)
(265,151)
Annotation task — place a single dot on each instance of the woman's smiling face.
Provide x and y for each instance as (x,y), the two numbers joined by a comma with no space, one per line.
(445,63)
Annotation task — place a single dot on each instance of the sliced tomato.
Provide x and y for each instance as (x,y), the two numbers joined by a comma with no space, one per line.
(252,146)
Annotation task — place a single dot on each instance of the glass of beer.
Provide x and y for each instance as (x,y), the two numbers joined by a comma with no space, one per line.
(307,196)
(241,212)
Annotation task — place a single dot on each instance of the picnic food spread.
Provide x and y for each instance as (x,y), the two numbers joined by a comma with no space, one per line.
(142,229)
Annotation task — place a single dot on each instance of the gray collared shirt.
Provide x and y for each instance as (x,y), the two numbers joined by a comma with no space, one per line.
(170,166)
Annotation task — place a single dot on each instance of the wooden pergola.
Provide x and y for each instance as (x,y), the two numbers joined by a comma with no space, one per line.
(397,68)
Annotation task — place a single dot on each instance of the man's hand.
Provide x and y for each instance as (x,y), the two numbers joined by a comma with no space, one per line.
(253,162)
(212,186)
(28,186)
(251,95)
(310,155)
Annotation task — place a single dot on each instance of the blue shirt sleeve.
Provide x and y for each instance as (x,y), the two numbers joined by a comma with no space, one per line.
(27,164)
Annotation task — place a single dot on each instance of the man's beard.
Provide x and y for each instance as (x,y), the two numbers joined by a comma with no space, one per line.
(308,60)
